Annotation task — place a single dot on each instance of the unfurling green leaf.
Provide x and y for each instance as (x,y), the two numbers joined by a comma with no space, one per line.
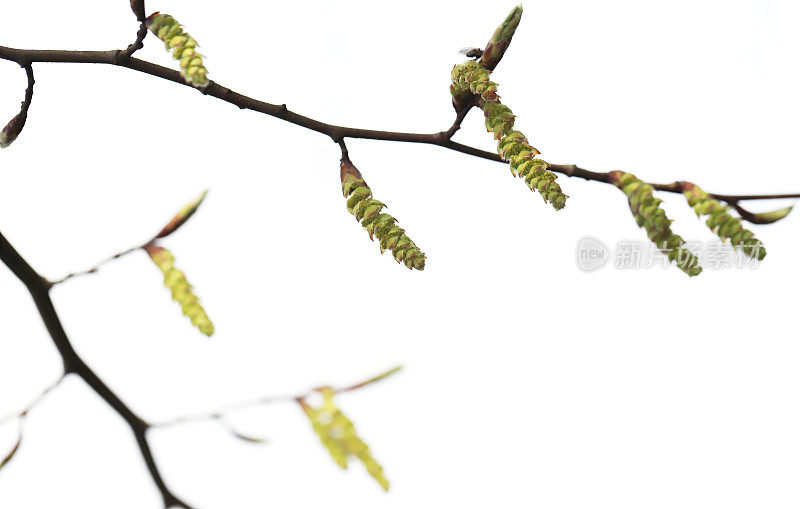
(378,378)
(380,225)
(501,39)
(339,436)
(722,223)
(649,215)
(763,217)
(771,217)
(183,47)
(182,291)
(182,216)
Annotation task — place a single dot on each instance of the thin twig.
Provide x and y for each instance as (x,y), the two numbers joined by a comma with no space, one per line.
(15,448)
(138,44)
(222,412)
(21,414)
(97,266)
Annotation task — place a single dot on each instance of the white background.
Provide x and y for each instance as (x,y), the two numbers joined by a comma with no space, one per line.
(527,382)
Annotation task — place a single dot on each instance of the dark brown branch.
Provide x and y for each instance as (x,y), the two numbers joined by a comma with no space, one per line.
(26,103)
(461,114)
(335,132)
(39,288)
(732,199)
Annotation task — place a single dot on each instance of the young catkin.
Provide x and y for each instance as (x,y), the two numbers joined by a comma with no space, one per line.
(182,291)
(183,47)
(338,435)
(647,211)
(719,221)
(368,211)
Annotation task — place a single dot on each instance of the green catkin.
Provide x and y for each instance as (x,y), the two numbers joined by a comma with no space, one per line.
(649,215)
(338,435)
(182,291)
(473,78)
(722,223)
(512,146)
(368,211)
(183,47)
(471,83)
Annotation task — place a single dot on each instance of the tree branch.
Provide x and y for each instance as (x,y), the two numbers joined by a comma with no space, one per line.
(335,132)
(124,55)
(39,288)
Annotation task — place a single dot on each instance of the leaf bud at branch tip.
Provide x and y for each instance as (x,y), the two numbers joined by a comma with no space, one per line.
(182,216)
(137,6)
(501,39)
(13,129)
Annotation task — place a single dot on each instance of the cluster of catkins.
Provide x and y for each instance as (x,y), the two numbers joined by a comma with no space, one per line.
(647,211)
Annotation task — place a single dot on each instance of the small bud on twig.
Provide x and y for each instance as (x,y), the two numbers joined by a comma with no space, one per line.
(181,217)
(13,129)
(137,6)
